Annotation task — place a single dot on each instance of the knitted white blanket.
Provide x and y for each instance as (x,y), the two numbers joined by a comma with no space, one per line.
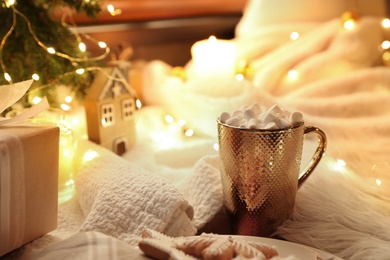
(120,199)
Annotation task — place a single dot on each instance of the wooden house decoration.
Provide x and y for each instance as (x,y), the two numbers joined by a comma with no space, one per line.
(110,106)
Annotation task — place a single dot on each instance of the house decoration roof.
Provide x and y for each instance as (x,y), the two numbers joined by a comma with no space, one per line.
(101,87)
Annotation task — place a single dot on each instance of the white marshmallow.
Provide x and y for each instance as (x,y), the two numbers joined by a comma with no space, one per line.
(253,124)
(238,113)
(249,113)
(243,126)
(224,116)
(253,121)
(276,110)
(283,123)
(255,107)
(243,107)
(270,126)
(296,118)
(263,109)
(270,117)
(233,121)
(259,117)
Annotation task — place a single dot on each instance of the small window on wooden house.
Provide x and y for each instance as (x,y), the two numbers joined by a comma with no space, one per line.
(128,108)
(107,112)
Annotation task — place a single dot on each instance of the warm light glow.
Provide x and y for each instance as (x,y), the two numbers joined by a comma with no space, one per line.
(349,24)
(66,155)
(35,77)
(214,57)
(379,170)
(9,3)
(386,23)
(340,165)
(90,155)
(36,100)
(181,122)
(80,71)
(51,50)
(179,72)
(386,57)
(294,36)
(69,183)
(386,45)
(349,19)
(189,132)
(165,139)
(110,8)
(292,74)
(243,70)
(66,152)
(169,119)
(75,121)
(7,77)
(138,103)
(240,77)
(68,99)
(212,39)
(82,47)
(102,45)
(65,107)
(216,147)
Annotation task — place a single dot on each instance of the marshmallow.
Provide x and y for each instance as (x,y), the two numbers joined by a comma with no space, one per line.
(233,121)
(283,123)
(249,114)
(253,124)
(259,117)
(243,107)
(255,107)
(238,113)
(224,116)
(296,118)
(270,126)
(270,117)
(243,126)
(276,110)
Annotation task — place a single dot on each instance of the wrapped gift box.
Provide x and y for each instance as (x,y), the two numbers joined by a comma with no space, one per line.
(28,183)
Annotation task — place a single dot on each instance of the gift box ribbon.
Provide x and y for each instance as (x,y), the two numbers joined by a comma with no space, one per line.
(29,113)
(12,194)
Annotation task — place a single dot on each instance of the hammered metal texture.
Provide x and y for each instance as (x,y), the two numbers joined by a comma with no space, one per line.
(259,171)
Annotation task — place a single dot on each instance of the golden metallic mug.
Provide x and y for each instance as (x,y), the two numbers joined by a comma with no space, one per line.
(260,171)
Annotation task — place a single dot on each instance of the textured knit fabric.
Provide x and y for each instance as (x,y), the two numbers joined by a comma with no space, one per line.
(120,199)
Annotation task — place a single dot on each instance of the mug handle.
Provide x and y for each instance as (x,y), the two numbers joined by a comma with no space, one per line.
(320,151)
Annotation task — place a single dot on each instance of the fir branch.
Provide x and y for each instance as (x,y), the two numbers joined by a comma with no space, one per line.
(91,8)
(22,54)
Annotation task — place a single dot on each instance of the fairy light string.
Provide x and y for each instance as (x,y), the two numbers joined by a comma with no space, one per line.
(75,61)
(3,41)
(79,40)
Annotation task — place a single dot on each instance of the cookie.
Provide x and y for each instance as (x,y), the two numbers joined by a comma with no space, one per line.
(205,246)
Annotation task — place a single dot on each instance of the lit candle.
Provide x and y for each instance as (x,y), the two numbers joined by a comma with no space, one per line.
(213,57)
